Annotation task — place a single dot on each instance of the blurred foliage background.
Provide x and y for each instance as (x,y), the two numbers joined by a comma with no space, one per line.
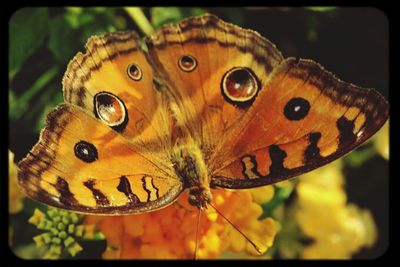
(350,42)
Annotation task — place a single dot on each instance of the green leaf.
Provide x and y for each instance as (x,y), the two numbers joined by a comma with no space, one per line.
(281,194)
(46,104)
(62,41)
(137,15)
(28,28)
(18,106)
(163,15)
(321,8)
(193,11)
(360,156)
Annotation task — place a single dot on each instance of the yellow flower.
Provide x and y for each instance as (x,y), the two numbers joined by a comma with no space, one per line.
(262,194)
(381,141)
(338,229)
(170,233)
(15,196)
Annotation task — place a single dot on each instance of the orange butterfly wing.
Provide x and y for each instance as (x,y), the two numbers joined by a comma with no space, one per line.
(115,64)
(302,119)
(114,110)
(256,117)
(202,59)
(81,164)
(210,48)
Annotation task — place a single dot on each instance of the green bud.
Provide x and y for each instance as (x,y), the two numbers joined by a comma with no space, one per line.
(74,249)
(61,226)
(49,225)
(56,219)
(51,256)
(69,241)
(62,235)
(65,220)
(63,213)
(55,249)
(54,231)
(79,230)
(38,240)
(51,212)
(74,217)
(37,217)
(46,238)
(56,240)
(42,225)
(71,228)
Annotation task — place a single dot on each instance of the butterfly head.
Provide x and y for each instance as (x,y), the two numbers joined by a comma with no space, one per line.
(199,196)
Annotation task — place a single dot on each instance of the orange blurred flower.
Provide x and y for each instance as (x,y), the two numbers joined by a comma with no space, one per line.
(170,233)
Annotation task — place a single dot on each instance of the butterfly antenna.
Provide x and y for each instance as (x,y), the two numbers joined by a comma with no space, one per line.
(197,234)
(257,248)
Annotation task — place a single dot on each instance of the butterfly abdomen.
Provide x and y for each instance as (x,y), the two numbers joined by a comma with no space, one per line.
(190,166)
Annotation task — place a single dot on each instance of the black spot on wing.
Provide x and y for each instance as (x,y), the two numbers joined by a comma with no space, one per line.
(86,152)
(296,109)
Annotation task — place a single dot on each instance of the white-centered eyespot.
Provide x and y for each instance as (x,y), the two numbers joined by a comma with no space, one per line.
(134,72)
(187,63)
(296,109)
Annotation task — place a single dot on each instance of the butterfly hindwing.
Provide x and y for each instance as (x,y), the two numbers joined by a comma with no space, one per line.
(303,118)
(82,165)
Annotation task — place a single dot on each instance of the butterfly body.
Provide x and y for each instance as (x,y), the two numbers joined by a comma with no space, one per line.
(209,105)
(190,166)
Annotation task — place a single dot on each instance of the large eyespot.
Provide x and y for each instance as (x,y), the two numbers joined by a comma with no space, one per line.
(134,72)
(240,86)
(111,110)
(296,109)
(187,63)
(85,151)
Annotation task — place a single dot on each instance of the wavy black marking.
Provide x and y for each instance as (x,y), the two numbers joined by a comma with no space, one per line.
(101,199)
(156,188)
(346,128)
(312,151)
(277,156)
(144,185)
(125,187)
(66,198)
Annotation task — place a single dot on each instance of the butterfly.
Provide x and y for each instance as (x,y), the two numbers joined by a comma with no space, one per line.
(204,104)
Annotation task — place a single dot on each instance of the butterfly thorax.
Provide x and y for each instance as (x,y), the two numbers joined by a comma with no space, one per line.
(191,168)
